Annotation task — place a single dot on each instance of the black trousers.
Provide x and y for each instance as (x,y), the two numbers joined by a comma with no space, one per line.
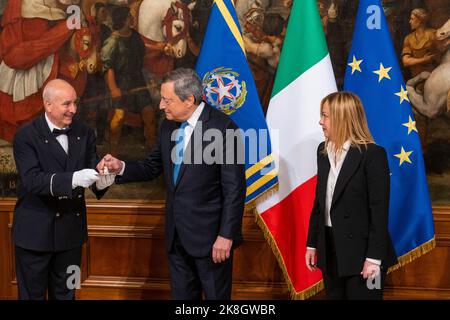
(191,276)
(38,272)
(351,287)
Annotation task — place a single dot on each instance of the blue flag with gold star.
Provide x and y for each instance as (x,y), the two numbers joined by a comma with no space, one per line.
(373,73)
(229,86)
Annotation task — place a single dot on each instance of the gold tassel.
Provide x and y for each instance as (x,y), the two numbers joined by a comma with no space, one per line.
(302,295)
(251,205)
(316,288)
(308,292)
(414,254)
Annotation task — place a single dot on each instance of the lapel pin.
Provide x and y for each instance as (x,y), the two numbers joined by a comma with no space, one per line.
(78,138)
(46,141)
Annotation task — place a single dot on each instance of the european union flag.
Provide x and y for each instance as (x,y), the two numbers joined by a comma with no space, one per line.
(374,74)
(229,86)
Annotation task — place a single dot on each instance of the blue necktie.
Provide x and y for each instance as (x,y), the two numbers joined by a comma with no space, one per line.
(179,146)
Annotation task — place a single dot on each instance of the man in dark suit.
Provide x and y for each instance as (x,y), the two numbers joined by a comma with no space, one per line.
(205,199)
(55,157)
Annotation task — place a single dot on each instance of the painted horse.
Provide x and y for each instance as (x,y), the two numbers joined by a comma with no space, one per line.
(435,99)
(164,27)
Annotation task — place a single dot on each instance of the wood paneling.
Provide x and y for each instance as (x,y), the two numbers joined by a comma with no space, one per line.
(125,258)
(4,258)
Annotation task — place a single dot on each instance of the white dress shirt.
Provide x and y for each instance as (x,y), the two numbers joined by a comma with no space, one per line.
(335,169)
(192,122)
(62,138)
(188,130)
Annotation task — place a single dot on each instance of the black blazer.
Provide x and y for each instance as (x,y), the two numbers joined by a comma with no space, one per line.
(208,199)
(49,215)
(359,210)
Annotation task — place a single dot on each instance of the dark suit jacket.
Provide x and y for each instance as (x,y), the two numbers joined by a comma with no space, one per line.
(359,210)
(208,199)
(49,214)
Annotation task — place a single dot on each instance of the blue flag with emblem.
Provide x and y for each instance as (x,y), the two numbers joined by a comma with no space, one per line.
(229,86)
(373,73)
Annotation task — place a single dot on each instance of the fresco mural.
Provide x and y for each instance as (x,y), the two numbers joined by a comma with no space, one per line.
(123,48)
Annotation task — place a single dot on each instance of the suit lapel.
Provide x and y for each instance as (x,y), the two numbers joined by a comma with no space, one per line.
(54,147)
(171,130)
(351,163)
(74,142)
(324,169)
(195,142)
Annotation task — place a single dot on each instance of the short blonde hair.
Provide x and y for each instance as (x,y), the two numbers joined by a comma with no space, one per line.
(347,121)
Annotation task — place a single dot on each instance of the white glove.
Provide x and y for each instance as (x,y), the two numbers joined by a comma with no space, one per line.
(84,178)
(105,181)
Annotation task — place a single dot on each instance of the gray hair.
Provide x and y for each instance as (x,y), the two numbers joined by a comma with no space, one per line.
(186,83)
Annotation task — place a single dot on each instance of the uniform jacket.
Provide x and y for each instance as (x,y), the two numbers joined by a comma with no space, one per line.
(49,215)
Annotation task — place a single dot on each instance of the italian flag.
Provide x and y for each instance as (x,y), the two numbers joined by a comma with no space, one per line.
(304,77)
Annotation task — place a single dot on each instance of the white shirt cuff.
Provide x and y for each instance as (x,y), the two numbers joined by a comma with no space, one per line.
(310,248)
(123,169)
(376,261)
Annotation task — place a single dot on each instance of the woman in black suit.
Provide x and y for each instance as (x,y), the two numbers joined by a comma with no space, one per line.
(348,236)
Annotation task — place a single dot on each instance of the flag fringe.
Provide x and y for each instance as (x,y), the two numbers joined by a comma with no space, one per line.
(317,287)
(414,254)
(251,205)
(302,295)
